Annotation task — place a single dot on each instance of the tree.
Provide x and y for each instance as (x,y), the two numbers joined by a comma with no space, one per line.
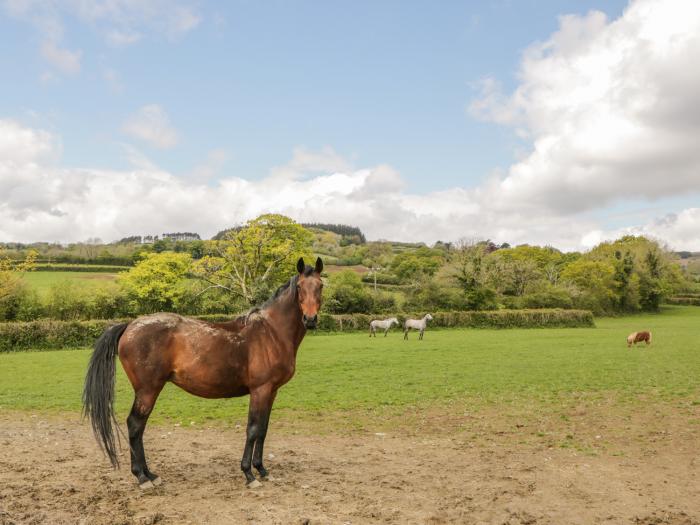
(592,282)
(651,289)
(416,264)
(250,262)
(346,294)
(157,282)
(11,274)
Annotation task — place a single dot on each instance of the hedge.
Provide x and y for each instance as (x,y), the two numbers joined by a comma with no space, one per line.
(98,268)
(681,300)
(540,318)
(49,334)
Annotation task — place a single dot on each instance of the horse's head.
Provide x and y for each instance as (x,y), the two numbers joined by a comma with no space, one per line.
(428,317)
(394,320)
(309,288)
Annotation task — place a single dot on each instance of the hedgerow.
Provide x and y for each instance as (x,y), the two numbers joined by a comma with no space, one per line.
(50,334)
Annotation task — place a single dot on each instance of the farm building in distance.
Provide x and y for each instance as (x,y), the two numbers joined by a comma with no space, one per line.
(182,236)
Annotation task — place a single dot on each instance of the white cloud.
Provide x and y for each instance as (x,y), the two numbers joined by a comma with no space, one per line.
(152,125)
(305,162)
(612,110)
(62,59)
(120,22)
(211,166)
(44,201)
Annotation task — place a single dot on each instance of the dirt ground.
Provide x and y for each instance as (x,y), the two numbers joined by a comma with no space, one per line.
(583,467)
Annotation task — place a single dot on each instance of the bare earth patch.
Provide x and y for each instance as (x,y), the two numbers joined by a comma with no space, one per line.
(587,466)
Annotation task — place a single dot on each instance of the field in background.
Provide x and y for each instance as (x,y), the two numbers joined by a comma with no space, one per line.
(86,281)
(344,374)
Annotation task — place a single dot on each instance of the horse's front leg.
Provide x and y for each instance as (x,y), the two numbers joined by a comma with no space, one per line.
(258,417)
(260,442)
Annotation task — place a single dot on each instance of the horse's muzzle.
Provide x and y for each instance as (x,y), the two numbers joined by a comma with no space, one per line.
(310,321)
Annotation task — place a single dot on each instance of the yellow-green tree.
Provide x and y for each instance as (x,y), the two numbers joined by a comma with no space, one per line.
(253,260)
(157,282)
(11,273)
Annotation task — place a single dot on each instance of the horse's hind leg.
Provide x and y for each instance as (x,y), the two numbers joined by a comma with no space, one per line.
(405,333)
(136,422)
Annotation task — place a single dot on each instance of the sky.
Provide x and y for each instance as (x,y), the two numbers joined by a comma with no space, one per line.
(563,123)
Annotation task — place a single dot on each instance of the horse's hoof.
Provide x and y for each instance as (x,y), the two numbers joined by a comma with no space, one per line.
(157,481)
(146,485)
(267,478)
(253,484)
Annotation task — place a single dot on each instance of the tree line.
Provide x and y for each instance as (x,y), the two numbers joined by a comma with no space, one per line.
(246,265)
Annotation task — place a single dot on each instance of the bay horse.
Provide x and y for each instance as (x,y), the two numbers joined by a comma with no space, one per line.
(417,324)
(253,354)
(638,337)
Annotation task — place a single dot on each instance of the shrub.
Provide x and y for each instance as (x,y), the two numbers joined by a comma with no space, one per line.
(48,335)
(67,302)
(543,318)
(347,294)
(382,278)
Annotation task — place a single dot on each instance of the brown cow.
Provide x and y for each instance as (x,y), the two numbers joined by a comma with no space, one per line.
(638,337)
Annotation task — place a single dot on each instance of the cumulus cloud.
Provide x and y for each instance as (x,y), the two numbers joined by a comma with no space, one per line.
(612,109)
(44,201)
(152,125)
(305,162)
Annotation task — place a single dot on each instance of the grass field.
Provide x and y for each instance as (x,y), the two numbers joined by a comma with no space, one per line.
(349,373)
(86,281)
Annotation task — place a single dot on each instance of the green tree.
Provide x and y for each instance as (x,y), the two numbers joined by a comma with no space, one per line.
(592,283)
(346,294)
(157,282)
(417,264)
(11,284)
(250,262)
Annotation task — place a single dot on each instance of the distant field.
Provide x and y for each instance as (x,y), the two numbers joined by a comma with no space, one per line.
(43,281)
(334,268)
(350,372)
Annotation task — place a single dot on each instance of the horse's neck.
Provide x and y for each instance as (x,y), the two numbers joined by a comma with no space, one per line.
(288,325)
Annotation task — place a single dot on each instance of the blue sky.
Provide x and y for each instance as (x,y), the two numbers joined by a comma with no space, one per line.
(379,82)
(439,99)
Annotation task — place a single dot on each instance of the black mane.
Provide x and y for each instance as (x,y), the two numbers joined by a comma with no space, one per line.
(292,283)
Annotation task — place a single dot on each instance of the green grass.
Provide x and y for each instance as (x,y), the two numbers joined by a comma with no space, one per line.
(86,281)
(348,372)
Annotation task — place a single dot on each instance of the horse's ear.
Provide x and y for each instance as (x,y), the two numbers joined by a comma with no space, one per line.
(319,265)
(300,265)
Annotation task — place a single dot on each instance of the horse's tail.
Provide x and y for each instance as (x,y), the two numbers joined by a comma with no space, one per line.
(98,393)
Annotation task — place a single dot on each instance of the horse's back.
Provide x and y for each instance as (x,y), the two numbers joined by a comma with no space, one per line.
(198,356)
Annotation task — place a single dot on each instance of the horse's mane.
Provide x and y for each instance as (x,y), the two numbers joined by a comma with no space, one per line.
(292,283)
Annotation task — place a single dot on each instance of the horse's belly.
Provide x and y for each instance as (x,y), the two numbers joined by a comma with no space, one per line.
(210,371)
(209,387)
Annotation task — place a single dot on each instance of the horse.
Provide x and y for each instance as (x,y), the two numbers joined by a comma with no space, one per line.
(385,325)
(254,354)
(638,337)
(418,324)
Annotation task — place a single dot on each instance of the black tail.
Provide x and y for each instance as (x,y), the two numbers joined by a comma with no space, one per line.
(98,394)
